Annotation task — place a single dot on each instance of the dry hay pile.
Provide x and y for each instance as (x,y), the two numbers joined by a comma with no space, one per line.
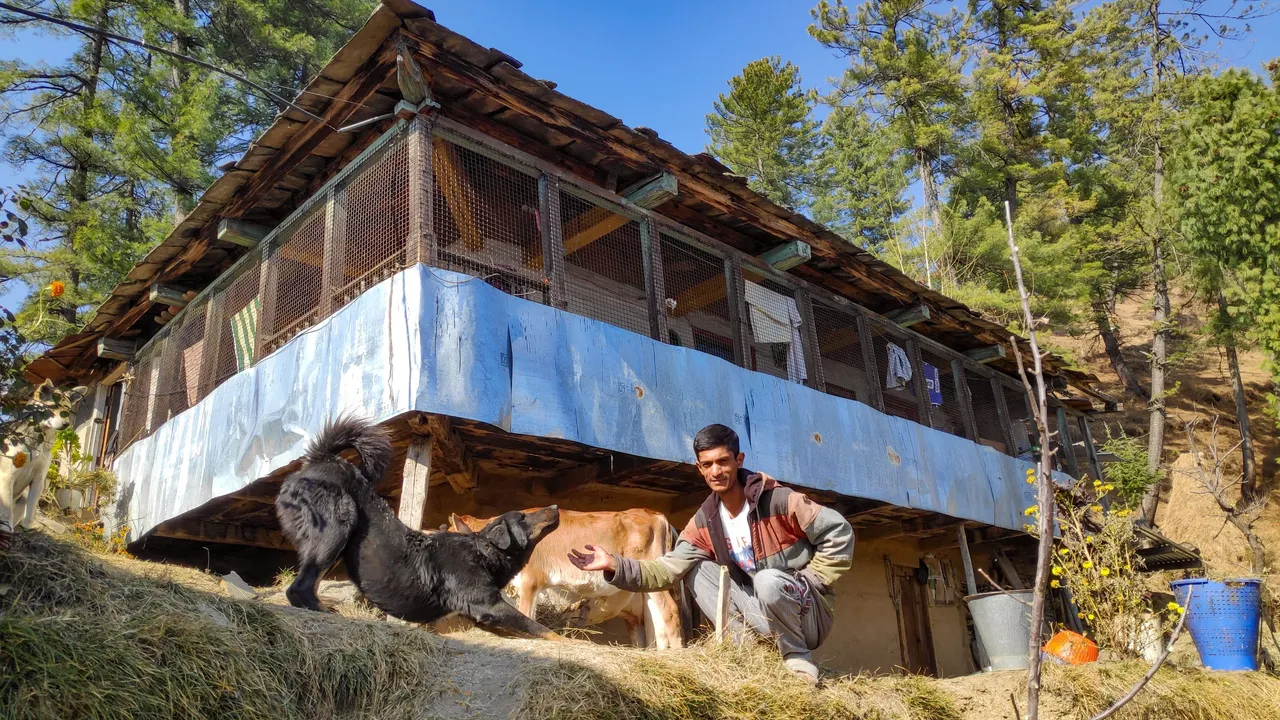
(1173,693)
(78,639)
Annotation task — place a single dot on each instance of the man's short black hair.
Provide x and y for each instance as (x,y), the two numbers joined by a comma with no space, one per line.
(714,436)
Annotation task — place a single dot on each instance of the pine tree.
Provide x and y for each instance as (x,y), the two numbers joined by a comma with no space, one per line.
(763,130)
(859,179)
(903,61)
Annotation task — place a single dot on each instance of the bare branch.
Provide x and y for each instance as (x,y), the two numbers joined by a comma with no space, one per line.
(1164,655)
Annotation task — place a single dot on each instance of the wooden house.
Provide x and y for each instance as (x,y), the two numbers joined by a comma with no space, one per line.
(544,305)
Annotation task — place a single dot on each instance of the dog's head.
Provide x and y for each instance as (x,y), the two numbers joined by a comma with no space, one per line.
(515,532)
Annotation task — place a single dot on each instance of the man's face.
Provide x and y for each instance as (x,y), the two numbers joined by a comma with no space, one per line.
(719,468)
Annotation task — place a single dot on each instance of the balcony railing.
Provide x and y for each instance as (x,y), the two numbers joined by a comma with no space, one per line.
(432,191)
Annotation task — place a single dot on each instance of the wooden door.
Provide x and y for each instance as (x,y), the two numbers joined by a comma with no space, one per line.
(914,633)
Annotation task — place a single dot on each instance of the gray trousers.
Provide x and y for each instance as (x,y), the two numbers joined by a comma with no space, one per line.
(776,605)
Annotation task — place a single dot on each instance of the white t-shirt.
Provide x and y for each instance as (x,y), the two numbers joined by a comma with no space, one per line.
(737,531)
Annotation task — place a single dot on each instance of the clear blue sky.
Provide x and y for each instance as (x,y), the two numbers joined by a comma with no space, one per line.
(659,64)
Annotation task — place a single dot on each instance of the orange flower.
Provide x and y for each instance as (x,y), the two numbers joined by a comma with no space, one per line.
(56,288)
(20,459)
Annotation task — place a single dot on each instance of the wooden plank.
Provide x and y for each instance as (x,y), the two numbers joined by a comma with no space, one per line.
(654,281)
(1065,444)
(552,247)
(459,195)
(970,581)
(164,294)
(240,232)
(116,349)
(598,222)
(212,346)
(966,403)
(334,254)
(452,456)
(210,531)
(423,196)
(917,380)
(737,309)
(874,381)
(115,375)
(1007,569)
(419,142)
(268,279)
(1002,413)
(722,606)
(788,255)
(906,317)
(809,337)
(986,354)
(1095,462)
(653,192)
(417,475)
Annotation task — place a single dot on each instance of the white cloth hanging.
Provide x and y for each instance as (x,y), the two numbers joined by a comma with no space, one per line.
(775,318)
(899,371)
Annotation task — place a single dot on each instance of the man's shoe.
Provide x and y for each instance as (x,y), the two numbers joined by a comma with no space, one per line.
(803,668)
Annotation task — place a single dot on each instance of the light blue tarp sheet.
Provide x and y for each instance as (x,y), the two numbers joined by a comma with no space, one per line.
(441,342)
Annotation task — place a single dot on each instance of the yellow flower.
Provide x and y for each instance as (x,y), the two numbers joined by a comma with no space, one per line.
(1055,584)
(1031,479)
(1096,508)
(1056,570)
(1108,487)
(1028,528)
(1087,564)
(1104,572)
(1088,538)
(1173,606)
(1034,509)
(1080,615)
(1031,471)
(1097,483)
(1090,616)
(1064,551)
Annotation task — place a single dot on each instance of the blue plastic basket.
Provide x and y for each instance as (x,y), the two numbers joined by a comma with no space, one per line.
(1223,620)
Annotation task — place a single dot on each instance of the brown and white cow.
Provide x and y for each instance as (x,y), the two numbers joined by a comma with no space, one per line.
(636,533)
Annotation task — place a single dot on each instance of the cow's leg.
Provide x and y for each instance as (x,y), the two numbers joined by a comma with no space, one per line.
(528,589)
(633,614)
(664,614)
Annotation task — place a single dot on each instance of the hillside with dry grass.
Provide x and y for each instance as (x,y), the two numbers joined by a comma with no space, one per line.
(104,636)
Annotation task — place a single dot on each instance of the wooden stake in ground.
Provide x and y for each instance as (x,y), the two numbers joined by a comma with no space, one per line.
(1044,481)
(722,605)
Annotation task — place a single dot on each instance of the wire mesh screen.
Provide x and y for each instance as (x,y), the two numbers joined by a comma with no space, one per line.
(604,264)
(294,303)
(893,360)
(985,414)
(371,222)
(843,370)
(133,423)
(774,345)
(487,221)
(184,361)
(239,305)
(1015,400)
(946,413)
(696,305)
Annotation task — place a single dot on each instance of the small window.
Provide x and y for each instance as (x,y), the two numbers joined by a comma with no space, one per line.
(713,344)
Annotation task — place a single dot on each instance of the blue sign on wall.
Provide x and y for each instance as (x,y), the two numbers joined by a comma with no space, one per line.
(933,381)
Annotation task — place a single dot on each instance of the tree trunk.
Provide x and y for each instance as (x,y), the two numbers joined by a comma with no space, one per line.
(78,183)
(184,197)
(1160,338)
(933,220)
(1248,486)
(1102,318)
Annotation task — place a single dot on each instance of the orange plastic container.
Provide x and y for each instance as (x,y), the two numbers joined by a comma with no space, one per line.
(1071,648)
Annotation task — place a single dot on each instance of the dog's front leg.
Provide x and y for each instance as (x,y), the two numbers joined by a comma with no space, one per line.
(499,618)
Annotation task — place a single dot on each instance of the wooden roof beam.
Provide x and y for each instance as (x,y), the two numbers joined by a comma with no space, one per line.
(209,531)
(986,354)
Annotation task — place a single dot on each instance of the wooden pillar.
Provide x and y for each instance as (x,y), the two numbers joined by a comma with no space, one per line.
(417,476)
(737,311)
(970,580)
(875,381)
(966,402)
(552,240)
(1002,412)
(922,388)
(334,258)
(655,285)
(421,246)
(722,606)
(809,338)
(1065,442)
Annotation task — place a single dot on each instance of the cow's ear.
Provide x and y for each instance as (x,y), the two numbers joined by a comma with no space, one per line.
(458,525)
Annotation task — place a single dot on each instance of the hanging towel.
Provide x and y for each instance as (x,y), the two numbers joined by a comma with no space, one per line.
(244,333)
(933,381)
(775,318)
(899,372)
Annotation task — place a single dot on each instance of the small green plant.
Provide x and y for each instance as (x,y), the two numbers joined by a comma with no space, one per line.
(73,470)
(1130,474)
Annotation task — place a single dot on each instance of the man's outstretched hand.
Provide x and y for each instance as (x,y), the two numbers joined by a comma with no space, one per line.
(593,559)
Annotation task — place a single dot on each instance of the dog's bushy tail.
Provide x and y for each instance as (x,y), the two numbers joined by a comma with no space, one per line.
(352,433)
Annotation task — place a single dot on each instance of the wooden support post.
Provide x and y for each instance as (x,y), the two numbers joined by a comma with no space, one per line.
(458,194)
(722,606)
(986,354)
(1002,413)
(654,281)
(333,263)
(117,349)
(970,580)
(1066,444)
(268,277)
(552,258)
(239,232)
(737,311)
(1007,569)
(906,317)
(421,246)
(212,345)
(417,475)
(809,336)
(875,382)
(918,382)
(1095,463)
(788,255)
(162,294)
(966,402)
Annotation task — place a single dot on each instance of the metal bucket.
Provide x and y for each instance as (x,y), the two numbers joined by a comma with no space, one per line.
(1003,623)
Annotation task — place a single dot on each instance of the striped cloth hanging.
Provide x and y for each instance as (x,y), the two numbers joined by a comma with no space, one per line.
(244,333)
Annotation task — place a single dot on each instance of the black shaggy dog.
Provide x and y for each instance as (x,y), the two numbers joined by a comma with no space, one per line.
(329,511)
